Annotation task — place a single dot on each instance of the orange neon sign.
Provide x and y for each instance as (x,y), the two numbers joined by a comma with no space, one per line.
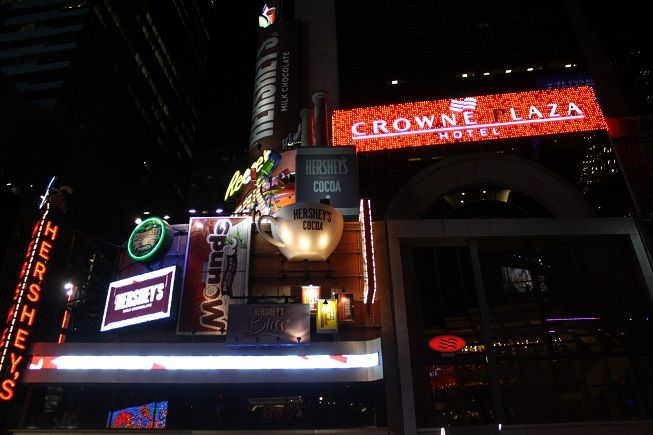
(14,341)
(469,119)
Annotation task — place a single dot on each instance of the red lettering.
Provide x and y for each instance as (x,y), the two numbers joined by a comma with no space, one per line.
(28,314)
(50,230)
(23,271)
(19,287)
(21,338)
(14,362)
(45,250)
(34,292)
(39,270)
(3,339)
(11,313)
(7,389)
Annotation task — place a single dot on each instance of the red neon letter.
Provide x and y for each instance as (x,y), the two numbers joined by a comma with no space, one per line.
(21,338)
(14,362)
(34,293)
(7,389)
(45,250)
(39,270)
(29,314)
(51,231)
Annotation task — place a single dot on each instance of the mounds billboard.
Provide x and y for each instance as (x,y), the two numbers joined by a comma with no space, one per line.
(215,273)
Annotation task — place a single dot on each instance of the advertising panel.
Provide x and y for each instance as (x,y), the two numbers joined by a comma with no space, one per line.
(310,294)
(15,337)
(276,104)
(328,173)
(345,307)
(216,270)
(500,116)
(153,415)
(269,325)
(326,321)
(139,299)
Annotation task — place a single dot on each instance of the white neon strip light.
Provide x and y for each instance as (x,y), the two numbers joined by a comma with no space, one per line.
(366,284)
(366,222)
(369,221)
(468,127)
(9,338)
(212,362)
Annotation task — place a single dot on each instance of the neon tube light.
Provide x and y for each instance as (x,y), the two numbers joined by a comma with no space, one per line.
(211,362)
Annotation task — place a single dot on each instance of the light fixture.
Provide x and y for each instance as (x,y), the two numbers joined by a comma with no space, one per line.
(530,68)
(486,73)
(508,71)
(137,221)
(464,75)
(568,65)
(218,210)
(192,211)
(166,217)
(68,285)
(395,82)
(146,212)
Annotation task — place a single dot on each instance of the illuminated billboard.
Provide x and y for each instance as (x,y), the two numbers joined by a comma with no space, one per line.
(139,299)
(487,117)
(328,173)
(15,341)
(151,415)
(269,325)
(276,100)
(216,270)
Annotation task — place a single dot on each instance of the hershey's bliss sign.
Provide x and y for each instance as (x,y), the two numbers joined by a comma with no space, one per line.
(469,119)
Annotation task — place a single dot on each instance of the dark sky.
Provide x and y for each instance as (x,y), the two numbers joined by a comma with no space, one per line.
(225,115)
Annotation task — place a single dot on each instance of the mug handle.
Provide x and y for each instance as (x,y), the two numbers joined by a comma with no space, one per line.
(265,235)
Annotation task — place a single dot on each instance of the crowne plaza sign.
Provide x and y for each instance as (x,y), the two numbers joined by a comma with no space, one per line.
(469,119)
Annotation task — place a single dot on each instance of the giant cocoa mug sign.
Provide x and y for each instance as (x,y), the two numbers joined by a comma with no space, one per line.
(304,230)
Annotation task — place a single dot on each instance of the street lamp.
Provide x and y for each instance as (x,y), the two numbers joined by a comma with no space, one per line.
(71,290)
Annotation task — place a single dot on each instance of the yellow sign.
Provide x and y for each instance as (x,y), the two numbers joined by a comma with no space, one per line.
(327,317)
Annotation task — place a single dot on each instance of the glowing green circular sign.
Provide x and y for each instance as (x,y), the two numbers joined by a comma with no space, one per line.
(148,239)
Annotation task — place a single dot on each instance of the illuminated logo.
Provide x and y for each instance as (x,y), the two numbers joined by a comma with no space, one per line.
(446,343)
(22,314)
(268,16)
(261,168)
(139,299)
(468,104)
(469,119)
(150,238)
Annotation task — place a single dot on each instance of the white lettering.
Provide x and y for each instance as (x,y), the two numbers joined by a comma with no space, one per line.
(379,125)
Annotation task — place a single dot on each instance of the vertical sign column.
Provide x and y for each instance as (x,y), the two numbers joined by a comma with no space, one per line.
(20,319)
